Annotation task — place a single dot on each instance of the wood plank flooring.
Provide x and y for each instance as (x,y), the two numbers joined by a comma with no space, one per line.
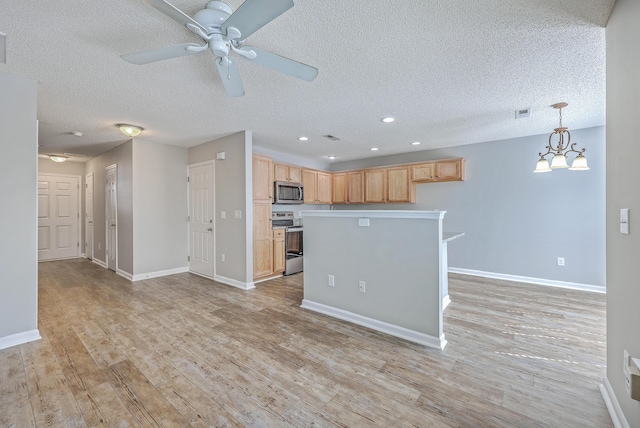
(183,351)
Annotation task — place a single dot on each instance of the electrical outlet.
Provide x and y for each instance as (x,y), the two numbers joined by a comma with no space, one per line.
(560,261)
(332,281)
(363,222)
(361,286)
(222,258)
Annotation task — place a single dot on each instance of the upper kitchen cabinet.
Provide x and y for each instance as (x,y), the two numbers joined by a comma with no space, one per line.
(317,187)
(389,185)
(348,187)
(282,172)
(400,188)
(450,170)
(443,170)
(375,187)
(262,178)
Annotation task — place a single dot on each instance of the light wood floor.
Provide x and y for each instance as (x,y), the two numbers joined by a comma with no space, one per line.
(184,351)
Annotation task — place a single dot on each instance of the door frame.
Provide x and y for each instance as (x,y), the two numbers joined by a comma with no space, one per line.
(79,198)
(86,186)
(213,201)
(113,167)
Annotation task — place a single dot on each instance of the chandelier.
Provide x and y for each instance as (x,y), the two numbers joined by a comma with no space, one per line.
(560,151)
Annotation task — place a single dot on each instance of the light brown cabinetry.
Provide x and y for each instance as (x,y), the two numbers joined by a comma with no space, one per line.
(348,187)
(262,198)
(290,173)
(317,187)
(443,170)
(262,239)
(400,188)
(262,178)
(278,251)
(388,185)
(375,186)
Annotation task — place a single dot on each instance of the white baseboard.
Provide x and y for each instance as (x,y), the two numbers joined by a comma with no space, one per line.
(234,282)
(530,280)
(83,255)
(99,262)
(619,421)
(19,338)
(391,329)
(157,274)
(124,274)
(445,302)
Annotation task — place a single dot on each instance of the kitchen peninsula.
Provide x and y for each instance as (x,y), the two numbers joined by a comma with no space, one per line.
(383,269)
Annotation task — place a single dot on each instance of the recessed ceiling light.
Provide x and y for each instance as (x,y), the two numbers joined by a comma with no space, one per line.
(415,143)
(331,157)
(374,149)
(303,138)
(76,133)
(387,119)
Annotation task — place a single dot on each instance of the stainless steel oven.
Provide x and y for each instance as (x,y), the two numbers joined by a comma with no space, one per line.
(293,240)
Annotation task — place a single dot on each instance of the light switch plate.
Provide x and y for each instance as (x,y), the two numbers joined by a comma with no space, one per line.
(223,214)
(363,222)
(624,221)
(238,214)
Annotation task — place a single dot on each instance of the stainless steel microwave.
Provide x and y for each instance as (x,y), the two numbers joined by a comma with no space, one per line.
(285,192)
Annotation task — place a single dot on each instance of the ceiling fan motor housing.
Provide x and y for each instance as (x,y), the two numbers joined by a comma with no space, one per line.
(213,16)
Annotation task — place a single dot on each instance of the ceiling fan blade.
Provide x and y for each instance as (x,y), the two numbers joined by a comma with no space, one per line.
(230,76)
(145,57)
(282,64)
(174,13)
(255,14)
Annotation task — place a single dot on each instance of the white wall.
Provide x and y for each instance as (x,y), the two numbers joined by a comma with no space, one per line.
(623,178)
(18,210)
(516,222)
(232,192)
(160,240)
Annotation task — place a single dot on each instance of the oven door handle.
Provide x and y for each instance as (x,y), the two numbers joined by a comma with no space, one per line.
(294,229)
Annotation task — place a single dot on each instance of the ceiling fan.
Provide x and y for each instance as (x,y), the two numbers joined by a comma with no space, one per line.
(223,31)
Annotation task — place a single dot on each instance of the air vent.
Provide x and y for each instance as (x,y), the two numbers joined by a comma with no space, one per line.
(3,48)
(331,137)
(523,113)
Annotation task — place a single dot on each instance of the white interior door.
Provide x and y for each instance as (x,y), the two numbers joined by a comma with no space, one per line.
(58,217)
(201,216)
(88,216)
(111,216)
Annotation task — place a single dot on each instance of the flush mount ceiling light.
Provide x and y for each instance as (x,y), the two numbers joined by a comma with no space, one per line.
(561,149)
(303,138)
(332,157)
(58,158)
(77,133)
(130,130)
(416,143)
(374,149)
(387,119)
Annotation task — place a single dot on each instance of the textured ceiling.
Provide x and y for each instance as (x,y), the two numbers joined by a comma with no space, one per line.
(451,71)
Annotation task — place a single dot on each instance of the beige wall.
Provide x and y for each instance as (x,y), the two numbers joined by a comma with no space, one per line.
(18,210)
(122,156)
(623,176)
(232,192)
(159,207)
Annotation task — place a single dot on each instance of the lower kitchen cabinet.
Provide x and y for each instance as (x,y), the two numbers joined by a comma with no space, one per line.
(278,251)
(262,239)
